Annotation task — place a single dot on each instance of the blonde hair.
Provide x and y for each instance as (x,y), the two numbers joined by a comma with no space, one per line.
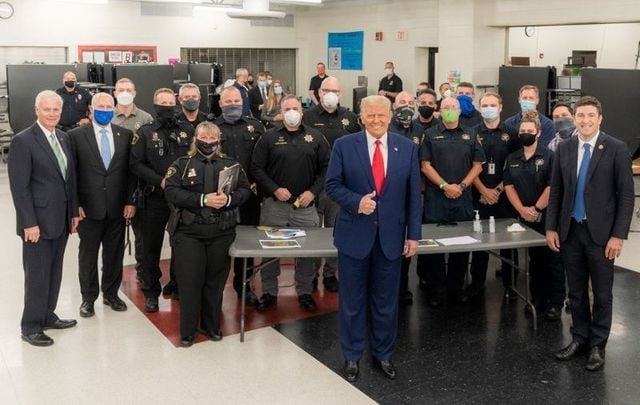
(532,117)
(163,90)
(375,100)
(207,127)
(272,98)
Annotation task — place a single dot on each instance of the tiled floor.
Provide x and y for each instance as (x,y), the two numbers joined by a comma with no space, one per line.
(482,353)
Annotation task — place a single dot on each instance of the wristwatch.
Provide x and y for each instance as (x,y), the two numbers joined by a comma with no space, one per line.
(443,184)
(463,185)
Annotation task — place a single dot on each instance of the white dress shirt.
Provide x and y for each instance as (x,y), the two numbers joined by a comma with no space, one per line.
(96,130)
(581,143)
(47,133)
(371,143)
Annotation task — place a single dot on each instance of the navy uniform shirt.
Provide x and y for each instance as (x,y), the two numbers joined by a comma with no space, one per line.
(392,84)
(414,132)
(471,121)
(75,106)
(200,117)
(239,139)
(529,176)
(332,125)
(497,144)
(155,147)
(296,161)
(451,152)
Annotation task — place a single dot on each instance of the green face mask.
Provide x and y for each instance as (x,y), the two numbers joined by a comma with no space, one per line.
(450,115)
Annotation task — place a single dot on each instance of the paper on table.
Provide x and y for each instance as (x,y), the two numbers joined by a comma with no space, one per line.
(459,240)
(285,233)
(279,244)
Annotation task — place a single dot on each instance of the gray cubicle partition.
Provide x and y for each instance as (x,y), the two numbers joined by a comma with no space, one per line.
(147,78)
(24,82)
(511,78)
(181,71)
(619,92)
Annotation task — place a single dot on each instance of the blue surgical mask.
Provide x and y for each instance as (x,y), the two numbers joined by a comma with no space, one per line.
(262,84)
(490,113)
(102,117)
(277,91)
(466,105)
(527,105)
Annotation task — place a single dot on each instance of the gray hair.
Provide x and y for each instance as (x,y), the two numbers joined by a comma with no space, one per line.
(188,86)
(96,98)
(228,89)
(47,94)
(375,100)
(241,71)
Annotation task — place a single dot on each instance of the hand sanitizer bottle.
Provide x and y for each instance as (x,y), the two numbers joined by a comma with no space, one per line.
(492,224)
(477,225)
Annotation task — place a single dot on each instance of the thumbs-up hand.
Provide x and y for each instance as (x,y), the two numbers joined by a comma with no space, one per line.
(367,204)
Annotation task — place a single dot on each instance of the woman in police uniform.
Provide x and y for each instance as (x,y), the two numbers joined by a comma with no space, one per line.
(202,227)
(527,176)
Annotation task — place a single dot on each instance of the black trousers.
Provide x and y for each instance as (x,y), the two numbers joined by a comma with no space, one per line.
(42,262)
(109,233)
(583,260)
(249,215)
(136,225)
(547,277)
(202,268)
(438,278)
(154,222)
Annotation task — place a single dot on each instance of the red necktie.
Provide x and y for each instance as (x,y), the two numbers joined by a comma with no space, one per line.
(378,168)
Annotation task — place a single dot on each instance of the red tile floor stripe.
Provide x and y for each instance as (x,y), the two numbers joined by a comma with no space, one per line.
(167,320)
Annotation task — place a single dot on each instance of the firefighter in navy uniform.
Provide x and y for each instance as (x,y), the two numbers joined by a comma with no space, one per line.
(527,179)
(333,121)
(498,141)
(239,135)
(451,159)
(154,148)
(202,227)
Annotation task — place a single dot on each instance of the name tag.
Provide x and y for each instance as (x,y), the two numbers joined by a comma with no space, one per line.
(491,168)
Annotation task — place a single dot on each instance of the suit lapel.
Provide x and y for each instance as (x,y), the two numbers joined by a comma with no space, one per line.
(93,144)
(573,162)
(598,151)
(119,144)
(392,159)
(363,151)
(42,140)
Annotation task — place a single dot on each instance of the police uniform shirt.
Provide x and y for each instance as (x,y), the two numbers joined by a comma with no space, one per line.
(414,132)
(451,152)
(200,117)
(187,175)
(134,121)
(75,105)
(497,144)
(239,139)
(315,83)
(154,148)
(332,125)
(296,161)
(471,121)
(392,84)
(529,176)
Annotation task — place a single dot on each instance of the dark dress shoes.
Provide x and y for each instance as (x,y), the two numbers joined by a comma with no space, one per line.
(596,358)
(473,290)
(38,339)
(266,302)
(351,370)
(553,313)
(307,303)
(570,352)
(170,288)
(387,368)
(250,298)
(214,336)
(151,305)
(457,296)
(406,297)
(86,309)
(187,341)
(115,303)
(61,324)
(330,284)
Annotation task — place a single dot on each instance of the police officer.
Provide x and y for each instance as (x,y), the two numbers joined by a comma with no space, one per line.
(497,141)
(202,228)
(527,176)
(333,121)
(289,165)
(189,98)
(451,159)
(76,102)
(239,135)
(427,106)
(154,148)
(390,84)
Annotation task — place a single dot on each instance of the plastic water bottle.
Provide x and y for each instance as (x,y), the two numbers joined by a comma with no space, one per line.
(492,224)
(477,225)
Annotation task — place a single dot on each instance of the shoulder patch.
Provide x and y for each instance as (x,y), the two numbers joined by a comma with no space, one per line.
(170,172)
(135,139)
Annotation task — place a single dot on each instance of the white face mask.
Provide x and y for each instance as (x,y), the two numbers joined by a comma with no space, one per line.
(330,100)
(292,118)
(447,93)
(125,98)
(389,72)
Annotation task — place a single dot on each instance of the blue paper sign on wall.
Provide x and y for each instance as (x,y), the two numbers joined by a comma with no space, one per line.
(345,50)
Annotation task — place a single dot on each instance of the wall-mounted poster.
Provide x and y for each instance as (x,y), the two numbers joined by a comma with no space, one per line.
(345,50)
(121,53)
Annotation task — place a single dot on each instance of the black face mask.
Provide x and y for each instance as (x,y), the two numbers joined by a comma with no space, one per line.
(426,112)
(165,115)
(207,148)
(250,82)
(70,83)
(404,115)
(527,139)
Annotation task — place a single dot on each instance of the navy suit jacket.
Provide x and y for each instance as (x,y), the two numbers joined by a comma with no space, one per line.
(42,195)
(399,210)
(608,193)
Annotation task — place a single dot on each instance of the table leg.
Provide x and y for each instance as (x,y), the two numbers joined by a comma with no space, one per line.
(244,294)
(526,272)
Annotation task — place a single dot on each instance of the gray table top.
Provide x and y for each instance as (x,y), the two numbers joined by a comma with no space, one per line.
(319,241)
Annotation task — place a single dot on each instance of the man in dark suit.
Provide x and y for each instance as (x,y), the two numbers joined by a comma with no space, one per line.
(589,214)
(258,95)
(42,178)
(105,198)
(374,177)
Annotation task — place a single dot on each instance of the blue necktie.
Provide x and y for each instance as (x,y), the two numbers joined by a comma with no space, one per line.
(105,148)
(579,210)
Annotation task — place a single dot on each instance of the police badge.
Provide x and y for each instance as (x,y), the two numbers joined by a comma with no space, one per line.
(308,138)
(465,137)
(250,128)
(345,122)
(183,135)
(504,137)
